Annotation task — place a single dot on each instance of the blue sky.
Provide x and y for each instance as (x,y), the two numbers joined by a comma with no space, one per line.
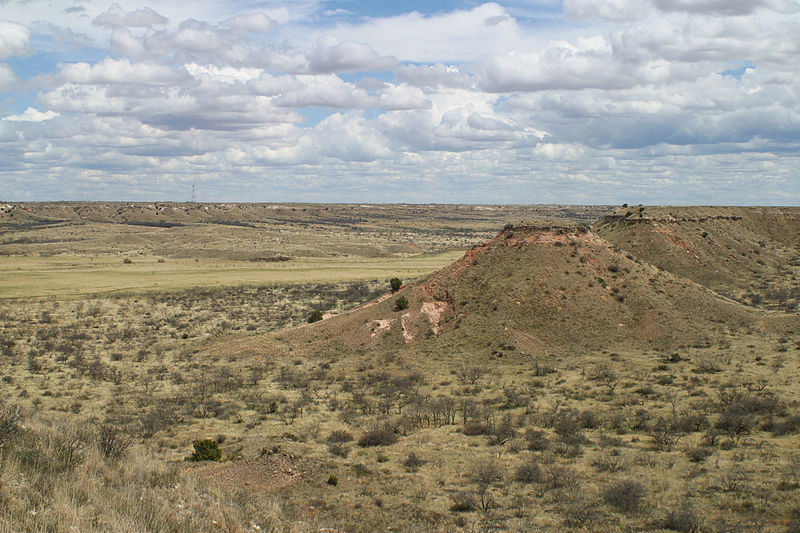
(573,101)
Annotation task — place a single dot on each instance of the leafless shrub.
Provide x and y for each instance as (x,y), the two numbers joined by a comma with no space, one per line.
(604,375)
(413,462)
(377,437)
(339,449)
(664,433)
(577,509)
(112,441)
(289,412)
(9,420)
(699,454)
(683,518)
(530,472)
(611,461)
(471,374)
(485,473)
(625,495)
(536,440)
(339,435)
(732,478)
(463,501)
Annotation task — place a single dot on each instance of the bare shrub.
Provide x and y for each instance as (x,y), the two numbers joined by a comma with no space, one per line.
(568,427)
(377,437)
(699,454)
(577,510)
(9,420)
(529,472)
(485,474)
(112,441)
(684,519)
(611,461)
(625,495)
(339,435)
(339,449)
(537,440)
(561,478)
(786,427)
(413,462)
(471,374)
(463,501)
(664,433)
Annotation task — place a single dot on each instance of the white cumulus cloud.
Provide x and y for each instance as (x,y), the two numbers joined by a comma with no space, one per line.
(120,71)
(14,39)
(32,115)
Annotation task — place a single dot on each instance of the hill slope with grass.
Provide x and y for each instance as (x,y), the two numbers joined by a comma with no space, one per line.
(748,253)
(540,290)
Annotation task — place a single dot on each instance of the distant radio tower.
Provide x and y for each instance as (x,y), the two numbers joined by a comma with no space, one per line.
(194,194)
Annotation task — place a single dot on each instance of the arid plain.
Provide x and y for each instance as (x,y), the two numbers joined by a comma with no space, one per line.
(541,368)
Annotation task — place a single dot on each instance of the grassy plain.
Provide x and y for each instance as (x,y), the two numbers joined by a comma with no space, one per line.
(79,275)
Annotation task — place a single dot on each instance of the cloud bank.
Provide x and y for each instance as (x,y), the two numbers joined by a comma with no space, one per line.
(661,101)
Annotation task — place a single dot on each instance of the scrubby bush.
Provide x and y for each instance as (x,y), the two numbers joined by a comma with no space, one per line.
(699,454)
(413,462)
(205,450)
(463,501)
(315,316)
(786,427)
(340,435)
(401,303)
(9,420)
(537,440)
(377,437)
(112,441)
(683,518)
(625,495)
(476,427)
(529,472)
(339,450)
(333,480)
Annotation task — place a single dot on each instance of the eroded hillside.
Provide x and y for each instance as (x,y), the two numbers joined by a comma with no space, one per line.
(751,254)
(544,290)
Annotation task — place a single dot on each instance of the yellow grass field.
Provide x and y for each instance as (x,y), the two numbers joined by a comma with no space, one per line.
(64,276)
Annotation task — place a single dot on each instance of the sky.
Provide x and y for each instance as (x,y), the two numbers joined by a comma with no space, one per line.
(448,101)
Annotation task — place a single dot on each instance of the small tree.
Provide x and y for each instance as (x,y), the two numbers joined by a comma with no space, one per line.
(401,303)
(395,284)
(315,316)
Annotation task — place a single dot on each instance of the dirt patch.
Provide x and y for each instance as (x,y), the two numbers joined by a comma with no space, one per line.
(434,311)
(267,474)
(380,325)
(406,334)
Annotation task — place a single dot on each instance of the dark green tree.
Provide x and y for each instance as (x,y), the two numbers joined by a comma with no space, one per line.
(205,450)
(395,284)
